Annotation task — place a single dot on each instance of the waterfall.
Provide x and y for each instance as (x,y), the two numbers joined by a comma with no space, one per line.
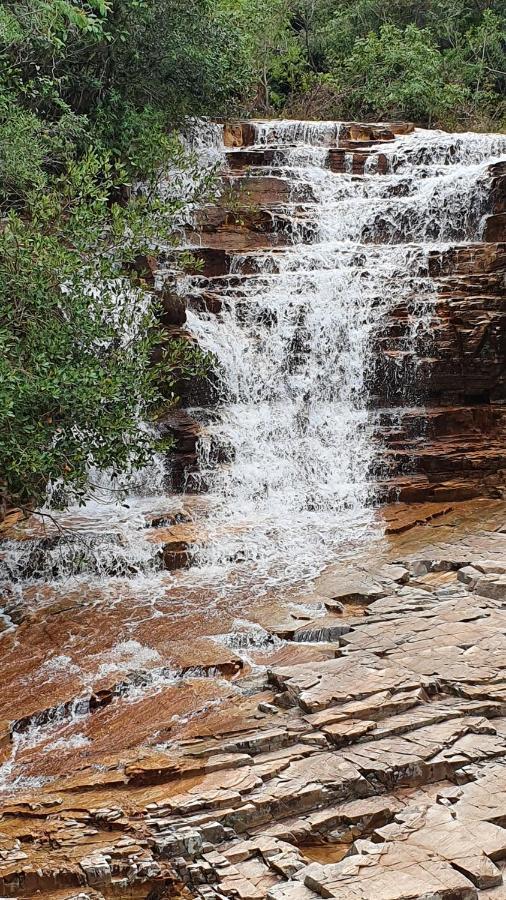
(289,456)
(320,311)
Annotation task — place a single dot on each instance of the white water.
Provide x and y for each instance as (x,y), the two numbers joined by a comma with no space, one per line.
(198,156)
(294,349)
(293,132)
(294,341)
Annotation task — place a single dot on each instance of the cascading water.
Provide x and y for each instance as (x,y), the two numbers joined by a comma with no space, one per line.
(291,131)
(289,458)
(294,341)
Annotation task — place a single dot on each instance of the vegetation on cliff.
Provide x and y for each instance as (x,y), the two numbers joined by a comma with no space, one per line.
(439,62)
(88,94)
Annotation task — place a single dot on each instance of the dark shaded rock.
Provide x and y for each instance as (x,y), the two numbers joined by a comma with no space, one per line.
(173,308)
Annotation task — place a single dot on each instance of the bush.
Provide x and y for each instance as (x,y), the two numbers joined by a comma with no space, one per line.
(441,62)
(400,73)
(89,95)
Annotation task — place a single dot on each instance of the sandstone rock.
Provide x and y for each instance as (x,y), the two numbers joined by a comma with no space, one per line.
(96,868)
(351,589)
(394,573)
(334,605)
(493,586)
(490,567)
(290,891)
(495,227)
(146,267)
(174,309)
(468,575)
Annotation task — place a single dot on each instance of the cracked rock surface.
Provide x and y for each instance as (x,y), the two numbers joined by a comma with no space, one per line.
(367,760)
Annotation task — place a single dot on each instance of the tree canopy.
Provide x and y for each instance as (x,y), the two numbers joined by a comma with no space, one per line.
(438,61)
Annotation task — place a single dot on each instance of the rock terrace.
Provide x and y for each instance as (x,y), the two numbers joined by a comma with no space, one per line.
(368,762)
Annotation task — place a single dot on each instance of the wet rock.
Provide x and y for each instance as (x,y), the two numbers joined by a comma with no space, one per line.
(173,309)
(96,868)
(145,266)
(334,605)
(468,575)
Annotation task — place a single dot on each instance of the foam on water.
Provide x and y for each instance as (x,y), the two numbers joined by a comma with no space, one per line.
(289,457)
(294,342)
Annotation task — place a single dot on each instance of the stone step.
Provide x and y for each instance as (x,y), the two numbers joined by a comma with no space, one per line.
(462,382)
(263,191)
(470,259)
(427,422)
(236,238)
(474,261)
(357,162)
(353,159)
(243,134)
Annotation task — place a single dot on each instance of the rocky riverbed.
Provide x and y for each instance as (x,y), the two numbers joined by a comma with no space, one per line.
(346,743)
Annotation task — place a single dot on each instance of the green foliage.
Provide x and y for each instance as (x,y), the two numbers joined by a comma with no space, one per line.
(89,95)
(22,152)
(109,73)
(77,335)
(438,62)
(268,57)
(402,73)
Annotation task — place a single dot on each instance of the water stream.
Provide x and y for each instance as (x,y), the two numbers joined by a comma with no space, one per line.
(294,340)
(290,457)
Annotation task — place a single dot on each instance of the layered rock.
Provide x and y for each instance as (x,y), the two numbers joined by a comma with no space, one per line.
(366,762)
(456,442)
(457,368)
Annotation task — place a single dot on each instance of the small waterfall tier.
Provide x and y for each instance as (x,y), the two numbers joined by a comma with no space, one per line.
(350,294)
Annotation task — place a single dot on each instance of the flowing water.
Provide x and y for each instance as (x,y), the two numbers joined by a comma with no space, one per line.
(294,340)
(290,456)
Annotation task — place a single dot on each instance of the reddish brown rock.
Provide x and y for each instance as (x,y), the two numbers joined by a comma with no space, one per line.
(145,266)
(173,309)
(495,228)
(381,758)
(354,161)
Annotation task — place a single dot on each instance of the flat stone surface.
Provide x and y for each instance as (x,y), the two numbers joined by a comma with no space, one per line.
(378,749)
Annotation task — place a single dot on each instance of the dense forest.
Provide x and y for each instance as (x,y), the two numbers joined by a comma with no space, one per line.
(91,97)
